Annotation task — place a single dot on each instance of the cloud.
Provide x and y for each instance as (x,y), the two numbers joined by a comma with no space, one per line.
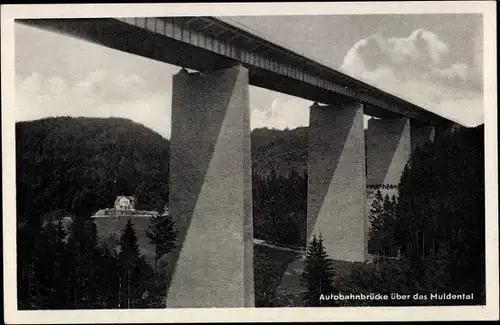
(281,113)
(127,96)
(32,85)
(456,72)
(57,85)
(418,69)
(113,87)
(98,95)
(101,94)
(427,46)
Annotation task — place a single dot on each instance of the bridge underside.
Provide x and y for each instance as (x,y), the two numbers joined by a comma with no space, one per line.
(206,44)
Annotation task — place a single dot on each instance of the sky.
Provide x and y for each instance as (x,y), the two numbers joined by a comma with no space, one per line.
(434,61)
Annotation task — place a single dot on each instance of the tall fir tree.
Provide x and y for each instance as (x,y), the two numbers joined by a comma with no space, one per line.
(318,274)
(27,233)
(49,285)
(388,245)
(441,208)
(383,226)
(129,258)
(82,252)
(161,233)
(376,224)
(280,208)
(61,267)
(107,278)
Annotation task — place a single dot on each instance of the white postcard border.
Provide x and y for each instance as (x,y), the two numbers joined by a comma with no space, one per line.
(12,315)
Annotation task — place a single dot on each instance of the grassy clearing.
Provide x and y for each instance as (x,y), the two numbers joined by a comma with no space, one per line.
(270,264)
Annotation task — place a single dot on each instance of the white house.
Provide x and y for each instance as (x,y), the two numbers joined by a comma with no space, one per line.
(125,203)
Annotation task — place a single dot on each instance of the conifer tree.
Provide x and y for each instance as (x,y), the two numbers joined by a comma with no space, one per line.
(318,274)
(383,225)
(161,233)
(26,236)
(81,245)
(377,206)
(388,226)
(48,285)
(391,225)
(376,223)
(61,268)
(107,278)
(129,257)
(441,209)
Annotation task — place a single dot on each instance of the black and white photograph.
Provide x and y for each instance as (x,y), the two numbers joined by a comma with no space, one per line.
(162,160)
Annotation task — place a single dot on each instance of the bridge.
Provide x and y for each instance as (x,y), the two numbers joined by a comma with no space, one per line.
(210,169)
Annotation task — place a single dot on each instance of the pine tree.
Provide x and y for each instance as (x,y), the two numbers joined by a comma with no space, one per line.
(129,257)
(392,228)
(161,233)
(43,262)
(61,268)
(376,224)
(26,237)
(383,226)
(145,286)
(318,274)
(82,252)
(388,224)
(441,204)
(377,206)
(107,278)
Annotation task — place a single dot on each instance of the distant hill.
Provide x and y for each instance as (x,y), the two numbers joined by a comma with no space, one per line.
(279,150)
(79,165)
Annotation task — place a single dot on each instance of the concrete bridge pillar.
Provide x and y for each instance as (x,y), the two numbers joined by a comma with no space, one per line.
(389,145)
(336,179)
(388,149)
(210,191)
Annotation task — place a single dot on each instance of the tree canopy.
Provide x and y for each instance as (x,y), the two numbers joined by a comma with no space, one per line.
(71,167)
(318,274)
(161,233)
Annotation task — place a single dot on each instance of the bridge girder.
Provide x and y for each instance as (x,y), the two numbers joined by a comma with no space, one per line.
(207,44)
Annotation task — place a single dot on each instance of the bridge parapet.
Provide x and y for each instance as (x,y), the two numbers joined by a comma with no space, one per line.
(257,53)
(208,44)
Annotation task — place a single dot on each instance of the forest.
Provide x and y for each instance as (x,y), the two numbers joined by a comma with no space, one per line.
(435,226)
(71,167)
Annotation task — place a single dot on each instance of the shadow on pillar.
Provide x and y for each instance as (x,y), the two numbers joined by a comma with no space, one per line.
(210,266)
(384,149)
(321,163)
(336,179)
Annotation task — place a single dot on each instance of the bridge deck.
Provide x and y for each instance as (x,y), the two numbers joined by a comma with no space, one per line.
(207,43)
